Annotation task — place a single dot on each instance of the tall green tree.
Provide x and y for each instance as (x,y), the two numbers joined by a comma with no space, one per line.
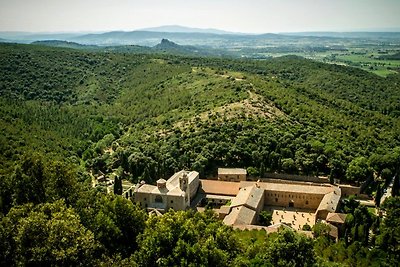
(186,238)
(286,248)
(389,237)
(265,218)
(115,221)
(49,234)
(118,185)
(358,170)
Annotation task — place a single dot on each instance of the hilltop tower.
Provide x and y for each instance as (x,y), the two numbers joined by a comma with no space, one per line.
(184,186)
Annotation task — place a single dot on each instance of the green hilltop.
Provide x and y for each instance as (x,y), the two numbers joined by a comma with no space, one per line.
(282,110)
(65,113)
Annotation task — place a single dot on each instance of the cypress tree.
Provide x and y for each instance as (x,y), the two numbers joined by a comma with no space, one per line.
(118,185)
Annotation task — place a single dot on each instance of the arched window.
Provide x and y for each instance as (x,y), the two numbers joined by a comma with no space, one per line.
(306,202)
(276,200)
(159,199)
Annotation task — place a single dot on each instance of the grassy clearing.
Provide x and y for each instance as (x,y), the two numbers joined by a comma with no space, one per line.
(383,72)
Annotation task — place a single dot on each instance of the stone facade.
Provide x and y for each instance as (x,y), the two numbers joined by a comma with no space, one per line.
(299,195)
(232,174)
(349,190)
(175,193)
(291,199)
(319,199)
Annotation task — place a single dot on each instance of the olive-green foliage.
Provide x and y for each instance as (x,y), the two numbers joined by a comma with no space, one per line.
(186,239)
(114,221)
(290,249)
(321,229)
(355,254)
(285,248)
(389,237)
(368,240)
(306,227)
(64,113)
(46,234)
(265,218)
(37,180)
(171,112)
(358,169)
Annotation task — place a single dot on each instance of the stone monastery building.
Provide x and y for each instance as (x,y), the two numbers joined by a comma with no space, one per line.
(176,193)
(241,201)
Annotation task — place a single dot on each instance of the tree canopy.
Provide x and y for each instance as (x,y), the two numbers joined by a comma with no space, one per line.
(67,115)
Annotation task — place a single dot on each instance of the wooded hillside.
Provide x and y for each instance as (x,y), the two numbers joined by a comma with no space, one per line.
(65,113)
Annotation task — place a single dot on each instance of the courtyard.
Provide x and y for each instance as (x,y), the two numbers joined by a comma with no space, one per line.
(291,216)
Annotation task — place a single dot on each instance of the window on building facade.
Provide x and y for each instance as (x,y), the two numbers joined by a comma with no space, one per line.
(159,199)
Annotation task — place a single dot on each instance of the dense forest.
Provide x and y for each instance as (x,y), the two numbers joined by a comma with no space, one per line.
(68,113)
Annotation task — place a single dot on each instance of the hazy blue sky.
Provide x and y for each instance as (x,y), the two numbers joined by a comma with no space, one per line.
(233,15)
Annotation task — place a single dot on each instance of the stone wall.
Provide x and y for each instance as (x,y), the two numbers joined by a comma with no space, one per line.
(298,200)
(292,177)
(148,200)
(348,190)
(232,177)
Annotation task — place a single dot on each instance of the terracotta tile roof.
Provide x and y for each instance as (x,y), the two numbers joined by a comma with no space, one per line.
(240,216)
(174,192)
(225,210)
(213,187)
(250,196)
(330,201)
(288,187)
(334,232)
(336,217)
(146,188)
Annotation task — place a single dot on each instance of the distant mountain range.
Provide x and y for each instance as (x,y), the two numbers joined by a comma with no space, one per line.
(178,28)
(64,44)
(165,46)
(149,38)
(28,37)
(207,38)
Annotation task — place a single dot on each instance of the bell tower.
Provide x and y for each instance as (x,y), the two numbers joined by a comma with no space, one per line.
(184,186)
